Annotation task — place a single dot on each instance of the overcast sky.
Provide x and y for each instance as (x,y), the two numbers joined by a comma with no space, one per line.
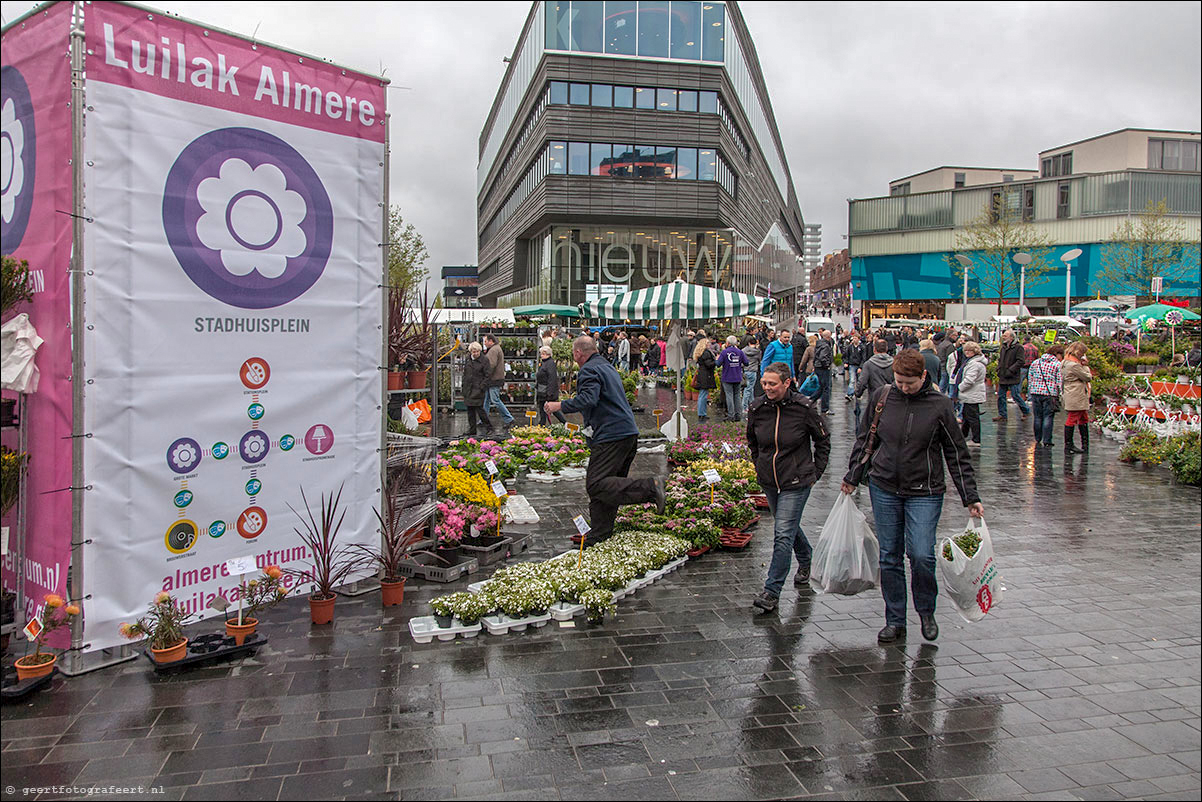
(863,92)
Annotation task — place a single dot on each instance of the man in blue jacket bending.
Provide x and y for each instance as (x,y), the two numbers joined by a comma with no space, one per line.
(614,438)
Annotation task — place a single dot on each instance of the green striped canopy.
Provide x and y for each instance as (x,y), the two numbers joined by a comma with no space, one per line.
(677,301)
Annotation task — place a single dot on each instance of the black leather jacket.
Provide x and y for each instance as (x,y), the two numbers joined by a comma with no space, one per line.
(782,434)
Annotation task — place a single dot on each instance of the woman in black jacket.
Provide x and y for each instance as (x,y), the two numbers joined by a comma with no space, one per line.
(475,382)
(790,448)
(704,380)
(546,386)
(912,430)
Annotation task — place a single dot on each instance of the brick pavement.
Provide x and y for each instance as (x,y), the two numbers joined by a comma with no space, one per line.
(1082,684)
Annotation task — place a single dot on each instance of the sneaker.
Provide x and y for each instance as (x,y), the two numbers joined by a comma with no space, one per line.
(765,601)
(930,630)
(802,578)
(890,634)
(999,418)
(973,443)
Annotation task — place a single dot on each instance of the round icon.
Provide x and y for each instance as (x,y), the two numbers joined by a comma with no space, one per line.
(252,522)
(319,439)
(20,157)
(253,487)
(181,536)
(287,442)
(254,446)
(183,455)
(1174,318)
(984,598)
(217,529)
(255,373)
(221,450)
(183,498)
(255,411)
(247,218)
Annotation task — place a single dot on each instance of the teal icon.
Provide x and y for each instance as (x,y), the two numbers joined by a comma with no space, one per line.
(217,529)
(253,487)
(255,411)
(221,450)
(183,498)
(287,442)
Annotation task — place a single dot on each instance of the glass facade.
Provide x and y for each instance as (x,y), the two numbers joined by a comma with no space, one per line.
(684,30)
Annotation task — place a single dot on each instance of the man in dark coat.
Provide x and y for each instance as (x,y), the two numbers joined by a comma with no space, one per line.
(1009,375)
(546,386)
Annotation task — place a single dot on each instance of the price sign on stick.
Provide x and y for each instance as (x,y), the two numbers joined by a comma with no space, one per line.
(572,427)
(726,448)
(239,566)
(531,414)
(583,528)
(491,467)
(712,476)
(657,412)
(498,489)
(33,629)
(1049,336)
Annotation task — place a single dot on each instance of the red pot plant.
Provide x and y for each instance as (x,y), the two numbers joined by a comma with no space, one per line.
(254,596)
(332,562)
(55,613)
(397,539)
(163,629)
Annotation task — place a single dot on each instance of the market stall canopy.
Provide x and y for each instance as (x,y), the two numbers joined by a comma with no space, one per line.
(1094,309)
(1056,320)
(677,301)
(540,310)
(1158,311)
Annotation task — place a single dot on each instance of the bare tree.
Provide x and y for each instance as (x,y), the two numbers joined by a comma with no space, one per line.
(992,240)
(1153,244)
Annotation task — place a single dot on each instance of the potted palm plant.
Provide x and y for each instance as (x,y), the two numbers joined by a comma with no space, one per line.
(397,540)
(331,562)
(54,615)
(163,629)
(255,595)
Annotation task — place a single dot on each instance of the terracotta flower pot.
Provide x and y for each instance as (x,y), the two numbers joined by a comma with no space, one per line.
(239,632)
(392,592)
(415,379)
(322,610)
(28,670)
(171,653)
(396,380)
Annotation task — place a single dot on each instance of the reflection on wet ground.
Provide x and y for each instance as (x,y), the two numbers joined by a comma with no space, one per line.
(1083,683)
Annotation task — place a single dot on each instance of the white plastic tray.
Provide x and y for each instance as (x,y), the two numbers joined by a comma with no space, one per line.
(500,624)
(563,611)
(424,630)
(573,473)
(518,511)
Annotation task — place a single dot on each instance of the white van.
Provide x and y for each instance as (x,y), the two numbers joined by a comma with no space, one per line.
(815,324)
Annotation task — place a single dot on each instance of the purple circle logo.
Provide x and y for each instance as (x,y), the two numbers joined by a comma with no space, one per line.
(18,152)
(247,217)
(253,446)
(183,455)
(319,439)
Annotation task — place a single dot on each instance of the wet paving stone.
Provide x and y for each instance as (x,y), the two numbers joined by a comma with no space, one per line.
(1083,682)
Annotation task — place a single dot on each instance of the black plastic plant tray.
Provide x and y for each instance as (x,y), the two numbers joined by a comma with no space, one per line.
(14,690)
(209,648)
(487,555)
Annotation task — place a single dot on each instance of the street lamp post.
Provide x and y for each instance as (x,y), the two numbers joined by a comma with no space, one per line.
(965,263)
(1068,258)
(1022,260)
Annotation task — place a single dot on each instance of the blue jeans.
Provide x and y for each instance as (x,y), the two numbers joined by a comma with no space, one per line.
(1012,389)
(703,398)
(905,526)
(824,387)
(492,398)
(733,407)
(749,390)
(944,382)
(1043,409)
(787,535)
(853,374)
(1022,379)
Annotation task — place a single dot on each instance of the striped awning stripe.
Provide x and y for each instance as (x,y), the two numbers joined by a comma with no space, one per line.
(677,301)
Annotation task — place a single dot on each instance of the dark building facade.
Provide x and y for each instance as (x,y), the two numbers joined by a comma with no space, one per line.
(631,143)
(460,286)
(830,283)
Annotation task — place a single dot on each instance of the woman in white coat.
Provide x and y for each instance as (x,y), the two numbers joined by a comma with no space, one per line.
(972,392)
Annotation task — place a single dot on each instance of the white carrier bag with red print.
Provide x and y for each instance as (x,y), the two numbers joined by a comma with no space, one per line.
(974,584)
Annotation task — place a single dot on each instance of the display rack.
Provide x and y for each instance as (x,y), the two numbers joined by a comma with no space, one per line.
(521,360)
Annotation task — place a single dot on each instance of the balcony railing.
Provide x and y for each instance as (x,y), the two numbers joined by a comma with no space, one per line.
(1125,192)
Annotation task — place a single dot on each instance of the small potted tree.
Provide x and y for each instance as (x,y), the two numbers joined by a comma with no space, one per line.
(396,542)
(255,595)
(163,629)
(54,615)
(332,562)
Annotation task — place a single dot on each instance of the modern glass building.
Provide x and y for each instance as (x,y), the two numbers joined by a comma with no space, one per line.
(630,143)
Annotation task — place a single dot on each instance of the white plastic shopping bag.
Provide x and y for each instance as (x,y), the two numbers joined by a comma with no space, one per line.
(846,559)
(974,583)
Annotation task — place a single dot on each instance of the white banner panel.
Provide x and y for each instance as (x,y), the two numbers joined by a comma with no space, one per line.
(233,308)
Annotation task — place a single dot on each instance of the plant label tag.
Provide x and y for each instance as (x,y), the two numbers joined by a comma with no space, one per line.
(1049,336)
(726,447)
(498,489)
(33,629)
(531,414)
(657,412)
(492,468)
(581,525)
(567,624)
(474,530)
(712,476)
(572,427)
(240,565)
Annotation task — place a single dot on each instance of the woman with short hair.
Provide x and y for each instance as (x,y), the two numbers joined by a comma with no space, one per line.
(901,454)
(972,391)
(1076,377)
(546,385)
(474,384)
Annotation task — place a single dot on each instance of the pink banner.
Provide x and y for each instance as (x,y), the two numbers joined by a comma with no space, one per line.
(170,57)
(37,227)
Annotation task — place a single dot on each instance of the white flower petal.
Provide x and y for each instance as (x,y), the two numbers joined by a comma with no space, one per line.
(292,242)
(241,262)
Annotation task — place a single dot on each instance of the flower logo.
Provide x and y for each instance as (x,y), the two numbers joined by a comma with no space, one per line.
(254,446)
(17,157)
(247,218)
(183,455)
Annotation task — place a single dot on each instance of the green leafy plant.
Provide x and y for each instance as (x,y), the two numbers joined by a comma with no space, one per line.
(12,465)
(15,285)
(331,562)
(598,603)
(163,624)
(968,542)
(261,593)
(55,614)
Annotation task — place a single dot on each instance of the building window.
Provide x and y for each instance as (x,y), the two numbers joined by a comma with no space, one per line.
(578,94)
(686,100)
(603,95)
(620,27)
(1060,164)
(1006,179)
(1062,200)
(665,100)
(1028,203)
(558,25)
(644,98)
(713,32)
(578,158)
(900,189)
(558,157)
(686,29)
(559,92)
(707,102)
(587,28)
(599,158)
(1178,155)
(653,28)
(707,165)
(686,163)
(1045,168)
(959,179)
(623,97)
